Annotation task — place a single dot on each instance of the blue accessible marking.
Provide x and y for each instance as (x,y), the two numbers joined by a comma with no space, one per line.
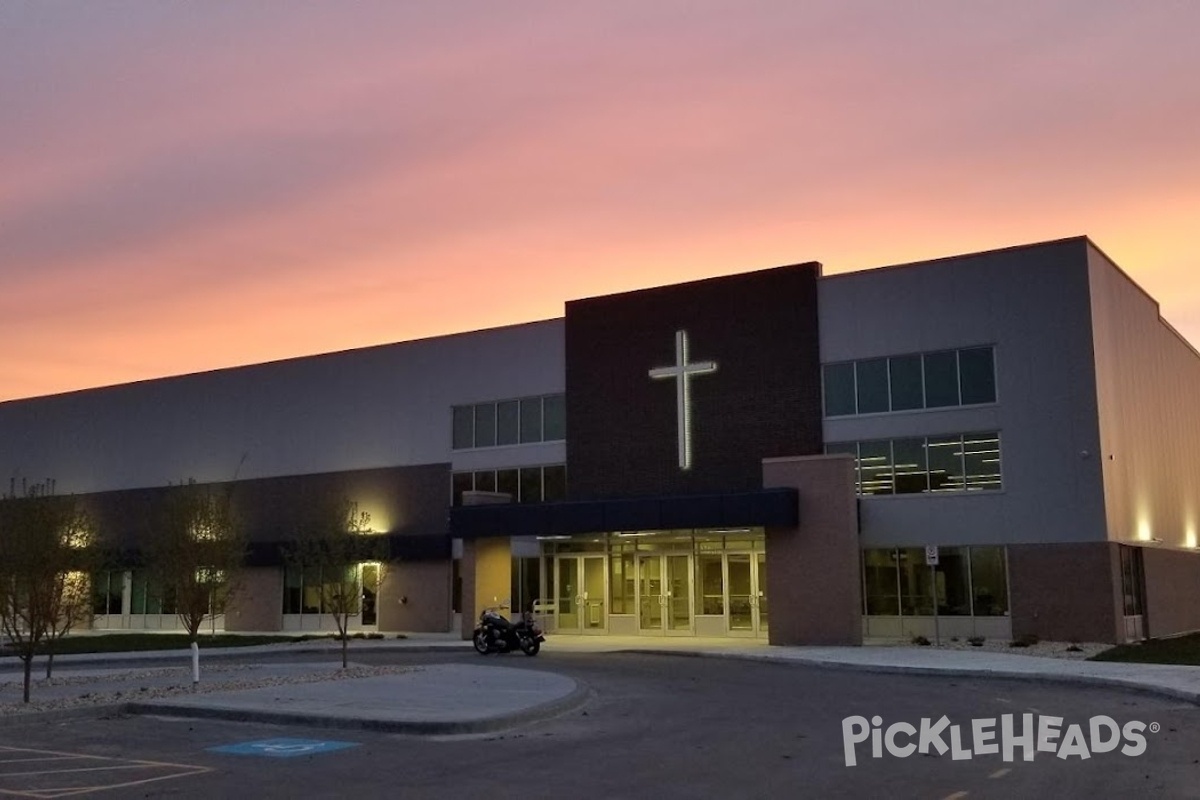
(282,748)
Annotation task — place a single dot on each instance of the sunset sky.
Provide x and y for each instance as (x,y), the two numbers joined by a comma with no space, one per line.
(186,186)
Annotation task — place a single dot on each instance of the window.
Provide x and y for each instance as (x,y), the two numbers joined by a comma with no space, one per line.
(875,466)
(953,582)
(977,375)
(531,485)
(710,584)
(485,425)
(554,417)
(912,466)
(916,583)
(872,386)
(461,482)
(108,589)
(966,581)
(941,380)
(989,581)
(554,483)
(620,583)
(906,383)
(509,482)
(507,422)
(981,461)
(464,427)
(945,464)
(968,462)
(485,481)
(531,420)
(839,390)
(510,422)
(880,587)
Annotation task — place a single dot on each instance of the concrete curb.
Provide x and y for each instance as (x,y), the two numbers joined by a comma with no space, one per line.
(61,715)
(536,713)
(1095,681)
(156,657)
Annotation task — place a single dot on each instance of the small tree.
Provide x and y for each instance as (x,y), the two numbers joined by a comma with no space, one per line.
(332,542)
(194,556)
(78,556)
(43,538)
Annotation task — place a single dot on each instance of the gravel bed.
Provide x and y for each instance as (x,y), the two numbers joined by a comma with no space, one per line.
(1074,651)
(108,696)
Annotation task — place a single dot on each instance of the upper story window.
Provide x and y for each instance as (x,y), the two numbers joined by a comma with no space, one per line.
(905,383)
(967,462)
(507,422)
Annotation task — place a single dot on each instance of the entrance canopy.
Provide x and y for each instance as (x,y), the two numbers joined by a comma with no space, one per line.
(764,507)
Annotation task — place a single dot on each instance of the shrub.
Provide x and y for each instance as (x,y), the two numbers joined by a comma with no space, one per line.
(1025,640)
(920,640)
(976,641)
(1074,649)
(374,635)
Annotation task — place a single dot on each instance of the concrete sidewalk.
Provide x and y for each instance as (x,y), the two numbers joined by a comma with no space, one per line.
(436,699)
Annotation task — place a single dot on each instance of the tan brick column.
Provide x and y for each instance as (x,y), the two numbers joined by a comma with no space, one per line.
(814,585)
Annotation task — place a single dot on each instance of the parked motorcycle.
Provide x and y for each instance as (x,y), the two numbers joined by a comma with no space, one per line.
(496,634)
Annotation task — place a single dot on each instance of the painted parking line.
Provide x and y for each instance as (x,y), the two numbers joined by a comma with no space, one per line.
(282,748)
(46,774)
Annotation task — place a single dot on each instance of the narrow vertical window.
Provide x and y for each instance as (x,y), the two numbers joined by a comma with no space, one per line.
(941,379)
(464,427)
(839,390)
(872,382)
(977,373)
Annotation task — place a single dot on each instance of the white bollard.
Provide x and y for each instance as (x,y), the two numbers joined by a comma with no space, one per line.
(195,663)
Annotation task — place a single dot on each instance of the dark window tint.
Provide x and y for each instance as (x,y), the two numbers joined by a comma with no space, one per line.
(554,483)
(461,482)
(507,414)
(531,484)
(485,481)
(941,379)
(977,371)
(872,386)
(907,391)
(485,425)
(531,420)
(839,390)
(989,581)
(554,416)
(464,427)
(509,482)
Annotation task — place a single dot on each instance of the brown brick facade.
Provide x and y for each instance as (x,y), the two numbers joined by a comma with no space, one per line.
(763,401)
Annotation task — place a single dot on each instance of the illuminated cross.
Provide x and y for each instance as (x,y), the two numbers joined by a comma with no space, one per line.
(682,372)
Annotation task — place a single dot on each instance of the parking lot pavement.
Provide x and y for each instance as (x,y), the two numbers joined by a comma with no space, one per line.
(660,726)
(29,772)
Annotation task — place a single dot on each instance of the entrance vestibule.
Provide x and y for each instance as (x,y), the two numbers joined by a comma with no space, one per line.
(656,583)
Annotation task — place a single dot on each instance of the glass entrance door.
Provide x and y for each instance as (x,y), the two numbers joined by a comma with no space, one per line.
(747,593)
(664,589)
(581,603)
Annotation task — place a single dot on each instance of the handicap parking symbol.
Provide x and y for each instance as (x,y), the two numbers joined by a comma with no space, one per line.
(282,748)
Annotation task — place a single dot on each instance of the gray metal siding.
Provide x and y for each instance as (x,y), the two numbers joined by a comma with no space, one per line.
(1032,304)
(382,406)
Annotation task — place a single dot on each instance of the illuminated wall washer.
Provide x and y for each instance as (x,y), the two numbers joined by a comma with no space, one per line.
(682,373)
